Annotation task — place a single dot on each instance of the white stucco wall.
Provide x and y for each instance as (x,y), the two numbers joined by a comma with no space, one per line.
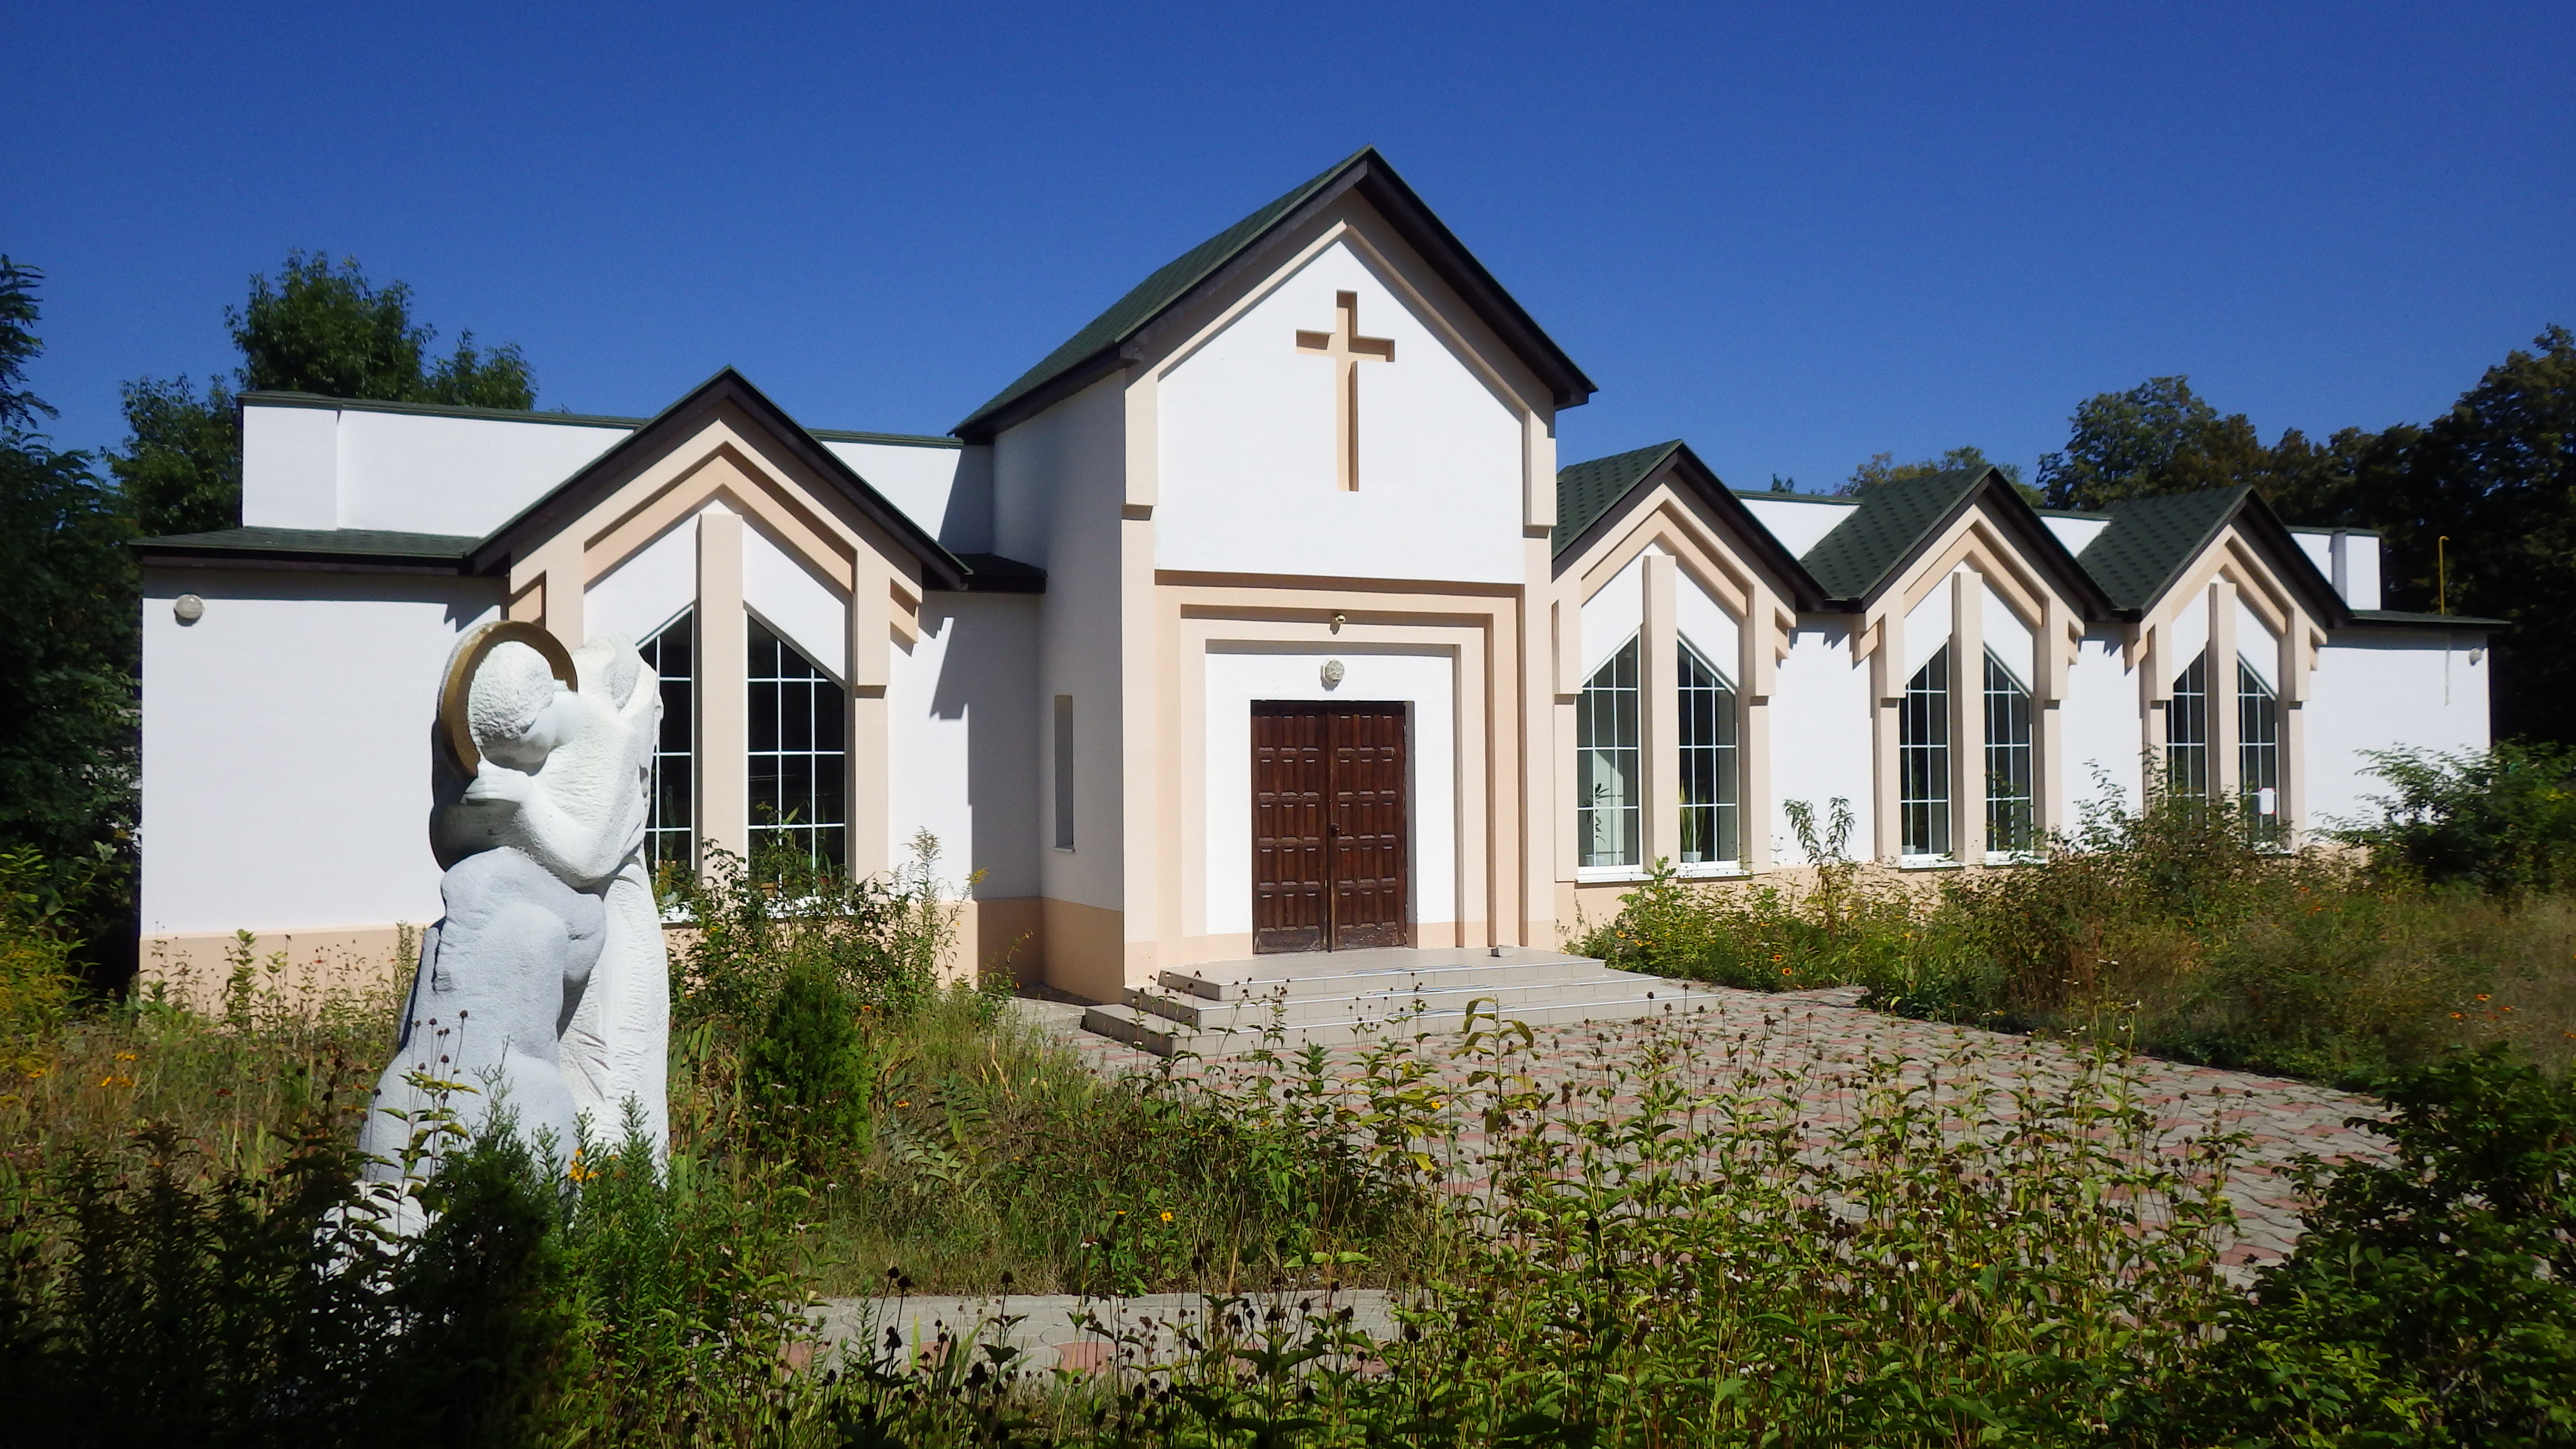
(286,746)
(1425,680)
(2377,689)
(1821,717)
(945,488)
(963,741)
(648,590)
(1799,522)
(1058,481)
(2076,534)
(1247,481)
(1707,627)
(1612,616)
(2098,728)
(791,600)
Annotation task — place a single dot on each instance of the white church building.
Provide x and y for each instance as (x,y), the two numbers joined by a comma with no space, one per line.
(1259,616)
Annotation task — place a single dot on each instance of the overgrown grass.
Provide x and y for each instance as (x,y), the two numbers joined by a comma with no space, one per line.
(1666,1247)
(2178,929)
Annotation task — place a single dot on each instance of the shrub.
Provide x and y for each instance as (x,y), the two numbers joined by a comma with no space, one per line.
(804,1078)
(2503,820)
(2433,1298)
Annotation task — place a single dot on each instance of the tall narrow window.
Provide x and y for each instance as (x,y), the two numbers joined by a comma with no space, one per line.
(670,826)
(1923,761)
(2011,824)
(2258,749)
(1609,806)
(1708,763)
(1064,772)
(799,761)
(2187,733)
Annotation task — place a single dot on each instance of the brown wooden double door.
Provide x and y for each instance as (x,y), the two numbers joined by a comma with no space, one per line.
(1330,837)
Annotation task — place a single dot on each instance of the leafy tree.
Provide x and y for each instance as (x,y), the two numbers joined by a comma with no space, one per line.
(181,469)
(2158,437)
(1883,468)
(314,328)
(67,589)
(2497,475)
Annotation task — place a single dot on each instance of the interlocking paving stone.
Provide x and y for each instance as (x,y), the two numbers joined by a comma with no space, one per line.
(1826,1042)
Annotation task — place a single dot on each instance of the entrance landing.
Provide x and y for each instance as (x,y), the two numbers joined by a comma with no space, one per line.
(1222,1008)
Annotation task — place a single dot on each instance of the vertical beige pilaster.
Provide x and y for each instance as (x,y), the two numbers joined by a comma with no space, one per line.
(2049,666)
(546,589)
(724,780)
(1968,716)
(1757,665)
(1139,715)
(1660,714)
(2223,772)
(872,634)
(1887,697)
(1538,471)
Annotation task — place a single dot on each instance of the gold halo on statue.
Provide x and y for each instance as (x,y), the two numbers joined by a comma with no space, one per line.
(452,716)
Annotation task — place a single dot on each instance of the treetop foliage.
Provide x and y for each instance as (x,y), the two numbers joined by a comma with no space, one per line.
(317,328)
(19,408)
(1883,468)
(326,330)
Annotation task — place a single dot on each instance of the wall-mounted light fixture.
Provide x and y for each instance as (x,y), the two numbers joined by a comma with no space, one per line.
(188,608)
(1338,621)
(1332,672)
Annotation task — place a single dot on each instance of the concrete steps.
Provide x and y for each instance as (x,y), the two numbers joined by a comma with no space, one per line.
(1227,1007)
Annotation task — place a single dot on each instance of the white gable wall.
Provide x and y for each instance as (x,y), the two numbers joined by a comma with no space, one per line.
(1246,477)
(293,723)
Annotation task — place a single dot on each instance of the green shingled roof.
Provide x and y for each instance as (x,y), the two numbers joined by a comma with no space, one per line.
(1892,517)
(1097,343)
(2151,539)
(1585,491)
(1148,298)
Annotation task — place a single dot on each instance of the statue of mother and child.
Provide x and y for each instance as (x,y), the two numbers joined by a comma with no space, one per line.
(544,988)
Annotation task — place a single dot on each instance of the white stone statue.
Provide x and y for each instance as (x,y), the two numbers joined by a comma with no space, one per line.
(545,982)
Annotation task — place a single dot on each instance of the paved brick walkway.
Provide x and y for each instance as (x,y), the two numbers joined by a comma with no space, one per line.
(1822,1049)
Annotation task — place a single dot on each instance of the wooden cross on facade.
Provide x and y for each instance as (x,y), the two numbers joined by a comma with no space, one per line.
(1346,347)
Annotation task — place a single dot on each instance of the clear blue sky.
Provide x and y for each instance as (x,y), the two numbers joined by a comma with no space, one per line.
(1795,234)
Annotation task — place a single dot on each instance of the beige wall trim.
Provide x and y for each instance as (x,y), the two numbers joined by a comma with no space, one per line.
(1084,948)
(724,734)
(1482,631)
(301,965)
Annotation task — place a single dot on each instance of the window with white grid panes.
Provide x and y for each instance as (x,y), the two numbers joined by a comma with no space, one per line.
(1709,820)
(1923,762)
(2011,823)
(2187,732)
(1609,765)
(799,762)
(2258,749)
(670,826)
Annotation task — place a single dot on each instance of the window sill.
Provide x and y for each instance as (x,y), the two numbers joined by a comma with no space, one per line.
(1063,849)
(1607,874)
(1927,862)
(2013,857)
(1712,870)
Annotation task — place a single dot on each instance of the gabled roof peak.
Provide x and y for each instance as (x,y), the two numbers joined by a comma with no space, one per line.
(1591,495)
(1092,352)
(1896,521)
